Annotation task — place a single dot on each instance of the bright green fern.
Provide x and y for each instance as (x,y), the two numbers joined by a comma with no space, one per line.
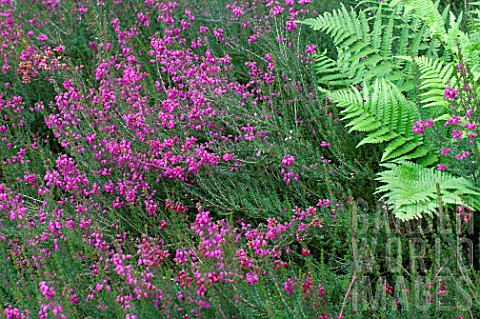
(387,116)
(411,190)
(435,75)
(391,70)
(366,47)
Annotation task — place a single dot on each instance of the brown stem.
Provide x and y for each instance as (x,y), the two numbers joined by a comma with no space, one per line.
(354,252)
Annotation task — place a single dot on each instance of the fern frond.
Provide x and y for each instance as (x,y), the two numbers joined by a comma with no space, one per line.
(363,52)
(474,17)
(427,11)
(457,39)
(328,72)
(385,115)
(453,38)
(435,76)
(410,190)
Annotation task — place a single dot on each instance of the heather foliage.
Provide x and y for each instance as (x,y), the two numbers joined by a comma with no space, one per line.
(187,159)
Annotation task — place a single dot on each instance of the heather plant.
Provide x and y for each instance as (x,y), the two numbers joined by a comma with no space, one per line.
(176,160)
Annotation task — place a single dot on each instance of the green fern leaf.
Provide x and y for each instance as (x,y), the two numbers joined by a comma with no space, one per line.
(363,52)
(385,115)
(427,11)
(410,190)
(435,76)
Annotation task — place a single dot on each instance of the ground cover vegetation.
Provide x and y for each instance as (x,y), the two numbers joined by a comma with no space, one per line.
(239,159)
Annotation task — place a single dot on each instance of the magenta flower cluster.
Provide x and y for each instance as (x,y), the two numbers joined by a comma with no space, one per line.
(450,93)
(420,126)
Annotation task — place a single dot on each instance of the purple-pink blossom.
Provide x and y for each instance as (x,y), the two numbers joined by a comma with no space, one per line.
(457,134)
(445,151)
(288,160)
(453,120)
(310,48)
(441,167)
(228,157)
(450,93)
(462,156)
(42,37)
(420,126)
(46,290)
(289,285)
(251,277)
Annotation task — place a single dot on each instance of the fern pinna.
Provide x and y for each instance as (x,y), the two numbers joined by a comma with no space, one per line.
(391,69)
(366,47)
(386,115)
(411,190)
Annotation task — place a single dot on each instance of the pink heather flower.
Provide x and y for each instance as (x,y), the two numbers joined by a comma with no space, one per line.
(450,93)
(287,177)
(304,1)
(471,136)
(218,32)
(288,160)
(253,38)
(42,37)
(30,178)
(420,126)
(441,167)
(445,151)
(454,120)
(251,277)
(47,291)
(228,157)
(462,156)
(276,11)
(310,48)
(131,59)
(236,11)
(290,26)
(289,285)
(60,48)
(324,202)
(442,291)
(324,144)
(470,126)
(457,134)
